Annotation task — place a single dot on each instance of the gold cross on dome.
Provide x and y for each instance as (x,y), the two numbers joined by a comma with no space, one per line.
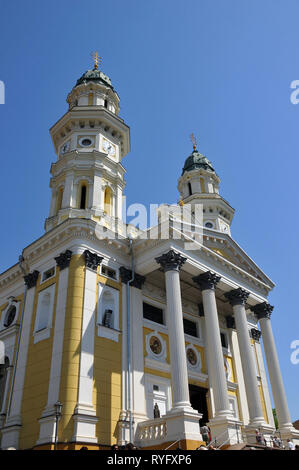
(193,140)
(97,59)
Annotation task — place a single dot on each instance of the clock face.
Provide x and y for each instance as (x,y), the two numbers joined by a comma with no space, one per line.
(108,147)
(65,148)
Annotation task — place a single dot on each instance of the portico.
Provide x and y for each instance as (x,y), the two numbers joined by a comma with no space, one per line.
(185,277)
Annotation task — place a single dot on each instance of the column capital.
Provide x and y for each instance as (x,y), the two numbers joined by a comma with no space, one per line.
(31,279)
(255,334)
(171,261)
(207,280)
(237,296)
(126,275)
(64,259)
(262,310)
(92,260)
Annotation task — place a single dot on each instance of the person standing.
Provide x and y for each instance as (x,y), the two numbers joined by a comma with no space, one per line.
(291,445)
(205,433)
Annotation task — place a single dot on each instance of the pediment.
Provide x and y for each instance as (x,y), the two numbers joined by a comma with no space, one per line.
(225,247)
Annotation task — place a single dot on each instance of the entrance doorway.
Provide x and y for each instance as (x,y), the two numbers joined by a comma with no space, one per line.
(198,400)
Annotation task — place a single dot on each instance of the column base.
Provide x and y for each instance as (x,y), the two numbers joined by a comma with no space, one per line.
(85,421)
(183,424)
(11,433)
(47,426)
(225,431)
(264,428)
(289,432)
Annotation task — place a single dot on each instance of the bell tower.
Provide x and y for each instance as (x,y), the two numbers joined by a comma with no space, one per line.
(199,184)
(90,141)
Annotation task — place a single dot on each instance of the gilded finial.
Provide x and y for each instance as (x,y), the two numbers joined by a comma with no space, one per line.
(181,202)
(96,59)
(193,140)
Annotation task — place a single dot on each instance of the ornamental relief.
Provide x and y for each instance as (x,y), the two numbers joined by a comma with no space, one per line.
(156,347)
(194,361)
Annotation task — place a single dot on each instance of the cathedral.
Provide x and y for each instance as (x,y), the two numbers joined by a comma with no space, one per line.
(110,334)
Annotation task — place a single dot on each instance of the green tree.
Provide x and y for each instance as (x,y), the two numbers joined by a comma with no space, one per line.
(275,417)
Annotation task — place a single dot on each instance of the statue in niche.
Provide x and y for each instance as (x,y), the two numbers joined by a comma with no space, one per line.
(156,411)
(107,319)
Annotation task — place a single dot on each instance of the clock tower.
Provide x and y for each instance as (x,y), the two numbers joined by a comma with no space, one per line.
(90,141)
(199,184)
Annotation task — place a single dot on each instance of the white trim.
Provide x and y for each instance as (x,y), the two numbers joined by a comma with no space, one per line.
(113,331)
(44,333)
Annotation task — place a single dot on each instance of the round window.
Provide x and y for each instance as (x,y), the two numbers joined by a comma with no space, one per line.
(209,225)
(155,345)
(191,356)
(86,142)
(10,316)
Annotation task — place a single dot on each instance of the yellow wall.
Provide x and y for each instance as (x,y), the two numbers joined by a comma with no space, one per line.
(35,393)
(71,346)
(107,394)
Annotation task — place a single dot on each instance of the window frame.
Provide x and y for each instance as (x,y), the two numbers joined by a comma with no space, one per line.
(44,333)
(159,307)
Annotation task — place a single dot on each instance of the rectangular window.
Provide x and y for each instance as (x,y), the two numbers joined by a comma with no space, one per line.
(224,342)
(108,272)
(190,327)
(152,313)
(49,273)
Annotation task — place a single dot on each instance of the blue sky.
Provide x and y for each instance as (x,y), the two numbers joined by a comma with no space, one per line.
(220,69)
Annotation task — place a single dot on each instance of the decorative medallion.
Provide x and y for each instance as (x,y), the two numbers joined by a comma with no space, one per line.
(155,345)
(191,356)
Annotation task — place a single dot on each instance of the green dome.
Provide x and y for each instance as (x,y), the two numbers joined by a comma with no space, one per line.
(95,76)
(196,161)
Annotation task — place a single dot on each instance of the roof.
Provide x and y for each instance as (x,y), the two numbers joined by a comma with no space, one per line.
(196,161)
(96,76)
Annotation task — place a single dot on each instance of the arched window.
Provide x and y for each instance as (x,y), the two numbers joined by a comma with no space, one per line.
(108,310)
(59,200)
(10,315)
(190,189)
(108,201)
(106,103)
(83,194)
(44,311)
(3,377)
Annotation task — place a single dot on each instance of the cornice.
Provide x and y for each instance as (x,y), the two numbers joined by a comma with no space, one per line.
(66,232)
(222,239)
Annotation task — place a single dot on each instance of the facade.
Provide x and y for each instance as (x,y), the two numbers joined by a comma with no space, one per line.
(137,336)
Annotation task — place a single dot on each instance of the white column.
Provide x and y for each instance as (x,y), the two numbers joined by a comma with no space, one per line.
(85,414)
(223,425)
(96,193)
(263,311)
(68,190)
(182,420)
(179,371)
(133,390)
(53,202)
(237,298)
(12,428)
(48,419)
(139,409)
